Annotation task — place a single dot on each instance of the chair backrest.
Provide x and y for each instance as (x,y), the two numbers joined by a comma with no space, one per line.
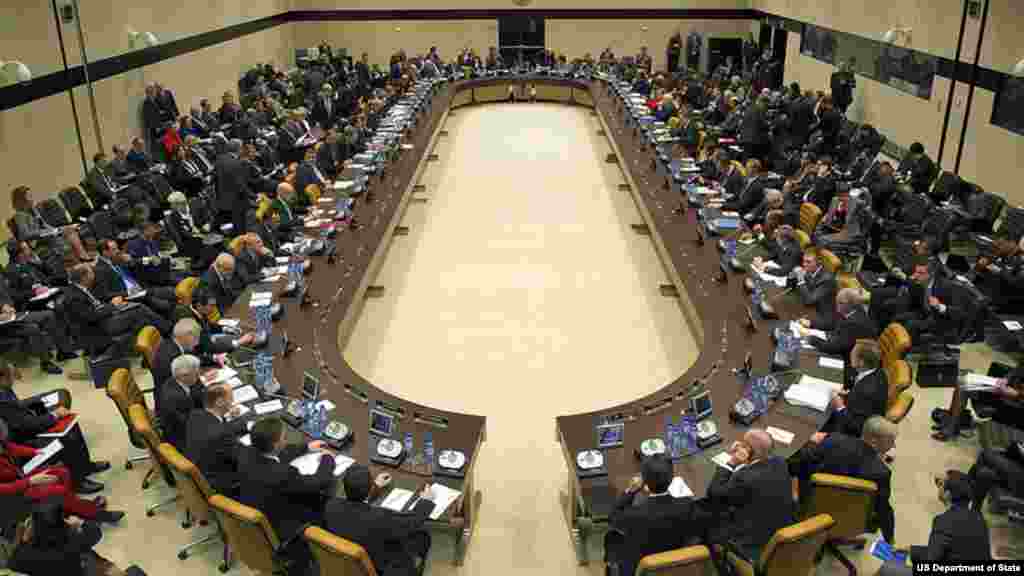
(847,280)
(894,342)
(793,549)
(688,561)
(122,389)
(803,238)
(147,341)
(337,556)
(184,471)
(313,193)
(897,372)
(142,425)
(183,291)
(849,501)
(236,246)
(899,407)
(809,216)
(249,534)
(739,167)
(829,260)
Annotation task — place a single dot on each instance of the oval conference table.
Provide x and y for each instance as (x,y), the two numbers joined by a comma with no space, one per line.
(319,330)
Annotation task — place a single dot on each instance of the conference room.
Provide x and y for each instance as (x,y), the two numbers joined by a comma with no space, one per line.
(340,287)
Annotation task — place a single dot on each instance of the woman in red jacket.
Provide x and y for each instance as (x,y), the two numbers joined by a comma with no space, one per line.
(47,482)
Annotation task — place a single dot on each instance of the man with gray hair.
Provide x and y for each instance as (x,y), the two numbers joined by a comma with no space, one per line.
(856,457)
(849,323)
(184,340)
(753,496)
(222,282)
(179,399)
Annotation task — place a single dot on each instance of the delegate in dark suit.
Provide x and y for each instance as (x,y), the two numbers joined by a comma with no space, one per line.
(847,455)
(208,346)
(758,499)
(98,323)
(733,182)
(380,531)
(749,198)
(233,194)
(288,499)
(801,116)
(166,352)
(818,290)
(26,424)
(659,524)
(174,410)
(867,397)
(843,331)
(786,252)
(225,290)
(212,445)
(113,281)
(754,131)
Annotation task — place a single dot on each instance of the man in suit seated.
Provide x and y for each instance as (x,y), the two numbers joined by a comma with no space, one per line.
(213,338)
(959,535)
(27,420)
(38,328)
(773,200)
(395,542)
(114,278)
(784,249)
(253,258)
(754,497)
(732,180)
(289,500)
(652,520)
(178,398)
(189,233)
(751,195)
(823,188)
(866,396)
(101,187)
(98,322)
(222,281)
(137,158)
(849,324)
(924,305)
(815,285)
(212,439)
(184,340)
(856,456)
(28,275)
(152,268)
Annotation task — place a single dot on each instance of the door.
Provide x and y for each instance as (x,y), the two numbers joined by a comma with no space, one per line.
(520,36)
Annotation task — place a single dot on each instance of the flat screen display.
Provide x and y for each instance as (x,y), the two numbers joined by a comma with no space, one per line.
(381,423)
(609,435)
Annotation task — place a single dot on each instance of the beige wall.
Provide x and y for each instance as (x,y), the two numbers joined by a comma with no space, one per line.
(577,37)
(38,139)
(508,4)
(381,39)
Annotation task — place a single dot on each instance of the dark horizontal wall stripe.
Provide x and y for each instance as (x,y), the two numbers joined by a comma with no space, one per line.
(564,14)
(987,79)
(57,82)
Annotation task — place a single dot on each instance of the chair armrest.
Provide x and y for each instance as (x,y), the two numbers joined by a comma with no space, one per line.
(844,482)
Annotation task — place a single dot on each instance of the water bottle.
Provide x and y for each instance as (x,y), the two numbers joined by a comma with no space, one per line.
(321,420)
(408,443)
(428,449)
(669,428)
(756,296)
(730,247)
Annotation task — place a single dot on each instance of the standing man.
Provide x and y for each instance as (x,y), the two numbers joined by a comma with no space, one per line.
(643,60)
(843,82)
(232,177)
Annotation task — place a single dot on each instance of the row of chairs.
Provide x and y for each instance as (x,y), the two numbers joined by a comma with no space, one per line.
(244,530)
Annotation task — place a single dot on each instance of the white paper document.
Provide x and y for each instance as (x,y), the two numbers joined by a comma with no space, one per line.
(722,459)
(245,394)
(240,410)
(972,382)
(228,322)
(397,499)
(1012,325)
(811,392)
(246,440)
(679,489)
(343,184)
(341,463)
(44,454)
(51,400)
(327,405)
(218,376)
(443,497)
(268,407)
(834,363)
(779,281)
(780,435)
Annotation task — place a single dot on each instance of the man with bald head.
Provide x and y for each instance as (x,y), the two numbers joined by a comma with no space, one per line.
(752,497)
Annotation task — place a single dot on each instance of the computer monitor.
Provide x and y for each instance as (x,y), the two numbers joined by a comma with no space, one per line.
(610,435)
(700,405)
(310,387)
(381,423)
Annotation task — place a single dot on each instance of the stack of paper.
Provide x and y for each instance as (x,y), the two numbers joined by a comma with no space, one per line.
(307,464)
(1012,325)
(834,363)
(811,392)
(972,382)
(41,456)
(779,281)
(397,499)
(260,299)
(218,376)
(679,489)
(245,394)
(722,459)
(442,497)
(268,407)
(799,331)
(780,435)
(228,322)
